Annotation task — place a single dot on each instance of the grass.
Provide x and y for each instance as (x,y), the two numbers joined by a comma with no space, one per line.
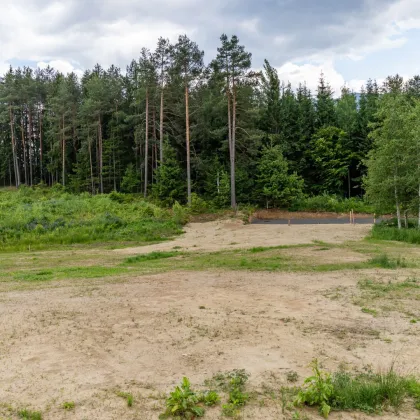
(398,296)
(128,397)
(369,392)
(152,256)
(33,219)
(391,233)
(383,261)
(29,415)
(40,267)
(68,405)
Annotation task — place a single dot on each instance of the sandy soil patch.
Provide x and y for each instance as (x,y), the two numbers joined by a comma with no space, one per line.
(233,234)
(84,342)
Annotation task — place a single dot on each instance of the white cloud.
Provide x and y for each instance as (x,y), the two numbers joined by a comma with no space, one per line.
(62,66)
(310,73)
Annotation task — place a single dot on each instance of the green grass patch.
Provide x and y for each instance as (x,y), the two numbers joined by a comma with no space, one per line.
(29,415)
(34,219)
(383,261)
(152,256)
(391,233)
(369,392)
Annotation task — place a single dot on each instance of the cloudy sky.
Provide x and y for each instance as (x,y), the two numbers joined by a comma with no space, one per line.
(349,40)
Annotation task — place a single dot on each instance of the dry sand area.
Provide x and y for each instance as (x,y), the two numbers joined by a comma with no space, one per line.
(85,340)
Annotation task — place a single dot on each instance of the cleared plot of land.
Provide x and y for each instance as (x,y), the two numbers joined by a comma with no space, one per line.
(214,236)
(69,335)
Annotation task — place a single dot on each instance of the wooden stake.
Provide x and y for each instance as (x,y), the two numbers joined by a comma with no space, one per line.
(350,216)
(374,218)
(289,222)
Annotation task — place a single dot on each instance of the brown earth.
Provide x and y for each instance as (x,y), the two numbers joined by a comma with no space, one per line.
(233,234)
(86,340)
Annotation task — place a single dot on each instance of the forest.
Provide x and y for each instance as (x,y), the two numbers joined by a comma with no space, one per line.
(171,127)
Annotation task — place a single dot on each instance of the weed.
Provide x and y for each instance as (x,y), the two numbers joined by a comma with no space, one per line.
(29,415)
(383,261)
(369,311)
(368,392)
(184,403)
(201,307)
(292,376)
(318,390)
(209,398)
(68,405)
(128,397)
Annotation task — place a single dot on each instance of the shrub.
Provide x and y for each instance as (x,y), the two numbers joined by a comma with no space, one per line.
(331,203)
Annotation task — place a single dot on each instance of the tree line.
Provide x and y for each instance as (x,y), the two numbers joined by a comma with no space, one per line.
(171,126)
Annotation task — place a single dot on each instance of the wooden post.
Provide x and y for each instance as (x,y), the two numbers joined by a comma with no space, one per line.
(374,218)
(350,216)
(289,222)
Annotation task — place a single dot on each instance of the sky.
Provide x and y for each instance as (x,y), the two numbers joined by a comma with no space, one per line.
(348,40)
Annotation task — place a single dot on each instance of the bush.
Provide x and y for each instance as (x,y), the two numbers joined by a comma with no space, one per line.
(39,218)
(332,204)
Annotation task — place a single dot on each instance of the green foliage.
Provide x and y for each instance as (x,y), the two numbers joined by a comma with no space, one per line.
(383,232)
(274,182)
(198,205)
(368,392)
(383,261)
(128,397)
(318,390)
(155,255)
(170,184)
(29,415)
(332,156)
(180,214)
(131,180)
(233,383)
(331,203)
(68,405)
(38,219)
(183,403)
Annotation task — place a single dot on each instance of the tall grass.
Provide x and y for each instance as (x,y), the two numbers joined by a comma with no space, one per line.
(391,233)
(38,219)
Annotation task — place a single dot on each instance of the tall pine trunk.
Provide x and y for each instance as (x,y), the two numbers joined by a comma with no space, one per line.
(146,145)
(63,150)
(101,180)
(397,202)
(91,165)
(232,151)
(25,160)
(40,146)
(187,136)
(30,147)
(15,160)
(161,127)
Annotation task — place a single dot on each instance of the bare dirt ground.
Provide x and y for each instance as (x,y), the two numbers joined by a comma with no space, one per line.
(233,234)
(86,340)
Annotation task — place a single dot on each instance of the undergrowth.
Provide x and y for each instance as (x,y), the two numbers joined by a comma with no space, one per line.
(388,232)
(40,218)
(369,392)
